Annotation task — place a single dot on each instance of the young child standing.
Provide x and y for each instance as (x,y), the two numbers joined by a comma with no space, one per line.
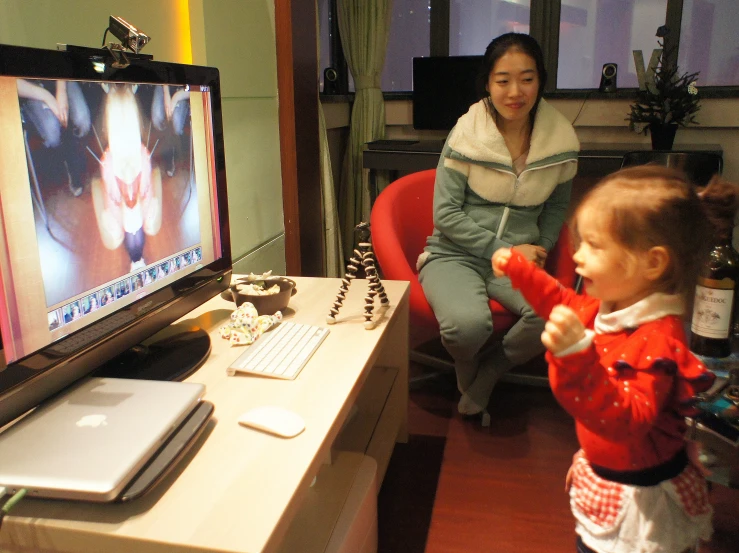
(618,360)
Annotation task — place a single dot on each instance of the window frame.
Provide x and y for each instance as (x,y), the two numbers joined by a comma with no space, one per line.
(544,27)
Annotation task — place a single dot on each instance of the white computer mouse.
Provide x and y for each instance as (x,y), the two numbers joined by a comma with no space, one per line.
(273,420)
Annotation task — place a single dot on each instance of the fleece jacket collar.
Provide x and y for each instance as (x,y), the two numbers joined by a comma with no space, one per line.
(477,138)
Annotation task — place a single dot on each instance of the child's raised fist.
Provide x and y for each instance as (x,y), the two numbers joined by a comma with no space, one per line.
(562,330)
(500,261)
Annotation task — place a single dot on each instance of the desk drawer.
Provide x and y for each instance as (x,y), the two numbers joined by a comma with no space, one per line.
(339,514)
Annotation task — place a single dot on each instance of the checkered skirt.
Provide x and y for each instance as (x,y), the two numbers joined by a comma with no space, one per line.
(618,518)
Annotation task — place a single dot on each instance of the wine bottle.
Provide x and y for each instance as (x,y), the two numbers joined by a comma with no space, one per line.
(713,308)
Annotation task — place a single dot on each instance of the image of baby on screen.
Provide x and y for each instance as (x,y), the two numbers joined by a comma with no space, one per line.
(123,161)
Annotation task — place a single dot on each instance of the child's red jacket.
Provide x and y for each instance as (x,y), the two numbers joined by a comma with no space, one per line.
(629,389)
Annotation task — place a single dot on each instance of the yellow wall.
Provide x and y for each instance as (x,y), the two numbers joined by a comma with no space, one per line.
(240,41)
(44,23)
(238,37)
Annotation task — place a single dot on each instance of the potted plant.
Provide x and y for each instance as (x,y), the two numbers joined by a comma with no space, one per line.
(671,100)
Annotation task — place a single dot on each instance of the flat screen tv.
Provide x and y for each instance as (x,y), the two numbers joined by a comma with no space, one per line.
(113,218)
(443,90)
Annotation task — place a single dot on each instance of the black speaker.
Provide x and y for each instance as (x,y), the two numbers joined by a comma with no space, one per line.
(330,81)
(608,78)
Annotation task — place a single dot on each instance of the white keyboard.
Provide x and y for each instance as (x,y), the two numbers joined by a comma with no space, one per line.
(281,352)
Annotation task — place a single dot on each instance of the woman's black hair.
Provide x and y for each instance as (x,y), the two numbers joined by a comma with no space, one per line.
(497,48)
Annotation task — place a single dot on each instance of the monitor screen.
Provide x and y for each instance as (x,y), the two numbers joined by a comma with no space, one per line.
(113,211)
(443,90)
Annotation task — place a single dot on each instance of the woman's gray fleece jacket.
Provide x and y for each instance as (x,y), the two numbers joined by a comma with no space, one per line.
(480,204)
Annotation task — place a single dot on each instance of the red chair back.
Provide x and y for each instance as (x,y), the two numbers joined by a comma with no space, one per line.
(402,219)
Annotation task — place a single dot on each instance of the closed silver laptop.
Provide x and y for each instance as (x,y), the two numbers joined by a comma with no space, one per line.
(88,442)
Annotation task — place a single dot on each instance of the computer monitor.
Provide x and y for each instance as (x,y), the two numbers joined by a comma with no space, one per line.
(443,90)
(113,218)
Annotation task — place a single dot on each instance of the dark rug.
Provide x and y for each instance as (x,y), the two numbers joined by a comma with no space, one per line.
(406,498)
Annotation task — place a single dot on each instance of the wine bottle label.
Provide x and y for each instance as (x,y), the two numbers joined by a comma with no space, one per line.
(712,312)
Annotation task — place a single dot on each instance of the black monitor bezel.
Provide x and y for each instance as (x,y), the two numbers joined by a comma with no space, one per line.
(29,380)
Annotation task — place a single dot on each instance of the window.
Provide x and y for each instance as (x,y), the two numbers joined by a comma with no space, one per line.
(474,23)
(595,32)
(709,42)
(579,36)
(324,40)
(409,38)
(469,24)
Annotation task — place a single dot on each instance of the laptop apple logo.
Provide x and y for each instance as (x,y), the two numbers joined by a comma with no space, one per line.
(93,421)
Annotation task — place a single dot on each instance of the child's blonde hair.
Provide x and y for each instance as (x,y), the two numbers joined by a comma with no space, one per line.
(651,205)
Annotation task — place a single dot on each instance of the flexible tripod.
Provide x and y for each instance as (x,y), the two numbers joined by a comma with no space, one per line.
(363,255)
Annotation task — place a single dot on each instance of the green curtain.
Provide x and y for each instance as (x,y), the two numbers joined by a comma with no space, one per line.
(333,258)
(364,27)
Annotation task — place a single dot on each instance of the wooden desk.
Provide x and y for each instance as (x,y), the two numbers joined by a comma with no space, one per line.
(238,490)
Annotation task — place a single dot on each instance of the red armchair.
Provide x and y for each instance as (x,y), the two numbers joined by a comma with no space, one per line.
(402,219)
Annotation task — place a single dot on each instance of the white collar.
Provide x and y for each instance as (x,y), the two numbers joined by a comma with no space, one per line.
(476,136)
(649,309)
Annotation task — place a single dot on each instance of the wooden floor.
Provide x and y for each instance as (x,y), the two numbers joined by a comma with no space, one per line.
(500,489)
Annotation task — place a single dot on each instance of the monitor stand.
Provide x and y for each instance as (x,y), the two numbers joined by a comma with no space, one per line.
(171,354)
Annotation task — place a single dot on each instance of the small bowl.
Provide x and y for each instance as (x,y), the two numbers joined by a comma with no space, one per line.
(267,304)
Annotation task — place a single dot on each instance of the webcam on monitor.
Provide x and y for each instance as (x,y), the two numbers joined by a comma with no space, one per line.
(132,40)
(130,37)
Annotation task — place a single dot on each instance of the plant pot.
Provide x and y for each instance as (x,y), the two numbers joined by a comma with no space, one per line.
(663,136)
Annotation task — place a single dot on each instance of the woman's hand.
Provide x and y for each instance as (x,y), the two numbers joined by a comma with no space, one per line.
(62,103)
(500,261)
(562,330)
(179,96)
(168,107)
(36,92)
(536,254)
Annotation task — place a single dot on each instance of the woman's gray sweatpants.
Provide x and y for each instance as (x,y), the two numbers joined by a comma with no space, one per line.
(458,289)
